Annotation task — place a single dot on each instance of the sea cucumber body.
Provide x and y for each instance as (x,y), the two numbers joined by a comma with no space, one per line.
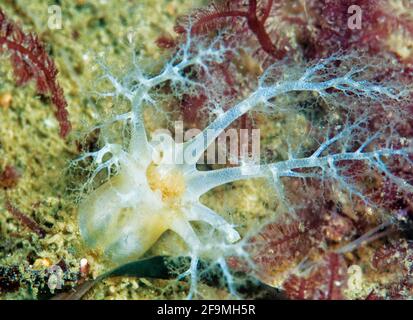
(123,217)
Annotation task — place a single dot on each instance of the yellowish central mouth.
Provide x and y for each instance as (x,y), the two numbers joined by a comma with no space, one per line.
(171,185)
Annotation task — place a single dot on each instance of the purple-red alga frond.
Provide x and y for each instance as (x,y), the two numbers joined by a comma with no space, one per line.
(396,260)
(254,13)
(30,61)
(325,280)
(279,246)
(329,30)
(25,220)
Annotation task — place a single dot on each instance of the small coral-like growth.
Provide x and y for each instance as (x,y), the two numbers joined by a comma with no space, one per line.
(31,61)
(154,185)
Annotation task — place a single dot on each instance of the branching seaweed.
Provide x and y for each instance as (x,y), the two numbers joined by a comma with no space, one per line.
(30,61)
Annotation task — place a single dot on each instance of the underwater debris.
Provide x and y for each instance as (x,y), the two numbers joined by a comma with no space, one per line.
(13,277)
(9,279)
(30,61)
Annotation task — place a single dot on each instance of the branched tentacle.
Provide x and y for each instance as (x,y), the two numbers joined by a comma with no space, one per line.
(199,212)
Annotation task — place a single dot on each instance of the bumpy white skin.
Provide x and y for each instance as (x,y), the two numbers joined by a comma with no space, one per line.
(127,214)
